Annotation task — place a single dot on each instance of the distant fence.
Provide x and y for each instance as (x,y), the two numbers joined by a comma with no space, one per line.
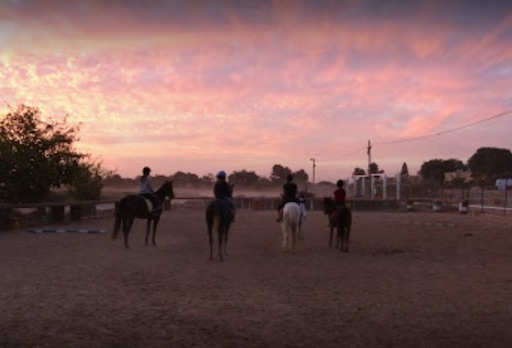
(21,215)
(16,216)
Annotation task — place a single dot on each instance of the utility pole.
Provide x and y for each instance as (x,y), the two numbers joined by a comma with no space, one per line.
(369,152)
(314,165)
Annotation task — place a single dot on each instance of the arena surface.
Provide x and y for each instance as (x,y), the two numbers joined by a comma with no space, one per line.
(411,279)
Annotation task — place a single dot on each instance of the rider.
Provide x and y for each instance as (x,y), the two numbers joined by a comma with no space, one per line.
(289,195)
(340,195)
(146,187)
(339,198)
(222,190)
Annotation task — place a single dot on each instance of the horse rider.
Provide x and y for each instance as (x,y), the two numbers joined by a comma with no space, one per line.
(289,195)
(340,196)
(222,190)
(146,188)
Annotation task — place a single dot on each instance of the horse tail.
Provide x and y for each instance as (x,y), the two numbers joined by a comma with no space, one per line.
(117,223)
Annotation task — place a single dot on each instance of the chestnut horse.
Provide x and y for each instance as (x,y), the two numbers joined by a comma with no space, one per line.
(218,221)
(340,217)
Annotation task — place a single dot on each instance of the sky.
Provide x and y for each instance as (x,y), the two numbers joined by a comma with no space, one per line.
(203,86)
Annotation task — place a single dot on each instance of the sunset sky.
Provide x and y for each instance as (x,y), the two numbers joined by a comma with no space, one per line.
(200,86)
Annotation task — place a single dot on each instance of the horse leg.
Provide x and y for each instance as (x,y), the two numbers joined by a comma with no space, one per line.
(156,220)
(226,241)
(148,227)
(347,237)
(341,238)
(338,237)
(220,238)
(127,225)
(210,240)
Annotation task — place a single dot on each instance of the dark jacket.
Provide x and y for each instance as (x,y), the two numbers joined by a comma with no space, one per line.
(222,189)
(290,190)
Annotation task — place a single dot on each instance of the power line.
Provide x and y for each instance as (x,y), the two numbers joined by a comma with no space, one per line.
(502,114)
(505,113)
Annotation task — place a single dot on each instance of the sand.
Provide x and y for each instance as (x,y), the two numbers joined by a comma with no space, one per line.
(411,279)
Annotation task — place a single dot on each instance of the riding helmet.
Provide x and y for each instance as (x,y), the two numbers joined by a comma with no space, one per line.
(221,174)
(146,170)
(340,183)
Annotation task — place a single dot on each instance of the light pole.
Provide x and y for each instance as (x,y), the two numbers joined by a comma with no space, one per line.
(314,165)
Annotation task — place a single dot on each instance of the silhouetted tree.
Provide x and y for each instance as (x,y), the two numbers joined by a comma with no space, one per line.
(488,163)
(279,174)
(182,178)
(243,177)
(37,156)
(300,176)
(374,168)
(359,171)
(404,173)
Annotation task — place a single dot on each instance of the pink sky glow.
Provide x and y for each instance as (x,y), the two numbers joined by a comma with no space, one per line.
(200,86)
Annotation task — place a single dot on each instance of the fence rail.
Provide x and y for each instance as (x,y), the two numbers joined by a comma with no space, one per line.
(20,215)
(13,216)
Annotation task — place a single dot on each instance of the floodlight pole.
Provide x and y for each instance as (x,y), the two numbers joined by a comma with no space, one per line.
(369,153)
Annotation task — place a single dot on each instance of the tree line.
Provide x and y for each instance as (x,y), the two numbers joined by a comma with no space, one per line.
(37,156)
(240,178)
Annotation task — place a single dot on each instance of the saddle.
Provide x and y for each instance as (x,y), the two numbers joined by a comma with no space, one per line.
(152,207)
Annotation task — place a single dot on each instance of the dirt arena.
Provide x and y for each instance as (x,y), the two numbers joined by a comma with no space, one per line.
(410,280)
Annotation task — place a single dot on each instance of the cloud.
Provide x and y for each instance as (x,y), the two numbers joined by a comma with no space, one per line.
(257,82)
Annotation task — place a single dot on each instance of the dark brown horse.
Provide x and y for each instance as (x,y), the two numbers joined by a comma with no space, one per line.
(218,221)
(136,206)
(340,218)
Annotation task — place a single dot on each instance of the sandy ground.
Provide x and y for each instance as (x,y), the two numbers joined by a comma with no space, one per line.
(410,280)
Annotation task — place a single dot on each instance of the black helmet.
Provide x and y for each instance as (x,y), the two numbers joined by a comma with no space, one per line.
(146,170)
(340,183)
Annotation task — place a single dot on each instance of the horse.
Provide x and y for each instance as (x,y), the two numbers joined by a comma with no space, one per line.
(340,218)
(136,206)
(218,221)
(291,225)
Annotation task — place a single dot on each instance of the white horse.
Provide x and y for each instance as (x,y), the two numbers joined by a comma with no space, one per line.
(291,225)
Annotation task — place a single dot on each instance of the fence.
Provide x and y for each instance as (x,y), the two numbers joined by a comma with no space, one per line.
(23,215)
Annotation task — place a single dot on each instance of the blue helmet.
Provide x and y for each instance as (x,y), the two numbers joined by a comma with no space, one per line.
(221,174)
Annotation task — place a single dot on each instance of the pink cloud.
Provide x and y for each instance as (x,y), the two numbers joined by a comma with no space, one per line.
(264,84)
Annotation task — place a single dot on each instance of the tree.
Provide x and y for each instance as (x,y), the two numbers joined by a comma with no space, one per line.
(374,168)
(37,156)
(359,171)
(88,182)
(433,171)
(182,178)
(243,177)
(488,163)
(301,176)
(404,173)
(279,174)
